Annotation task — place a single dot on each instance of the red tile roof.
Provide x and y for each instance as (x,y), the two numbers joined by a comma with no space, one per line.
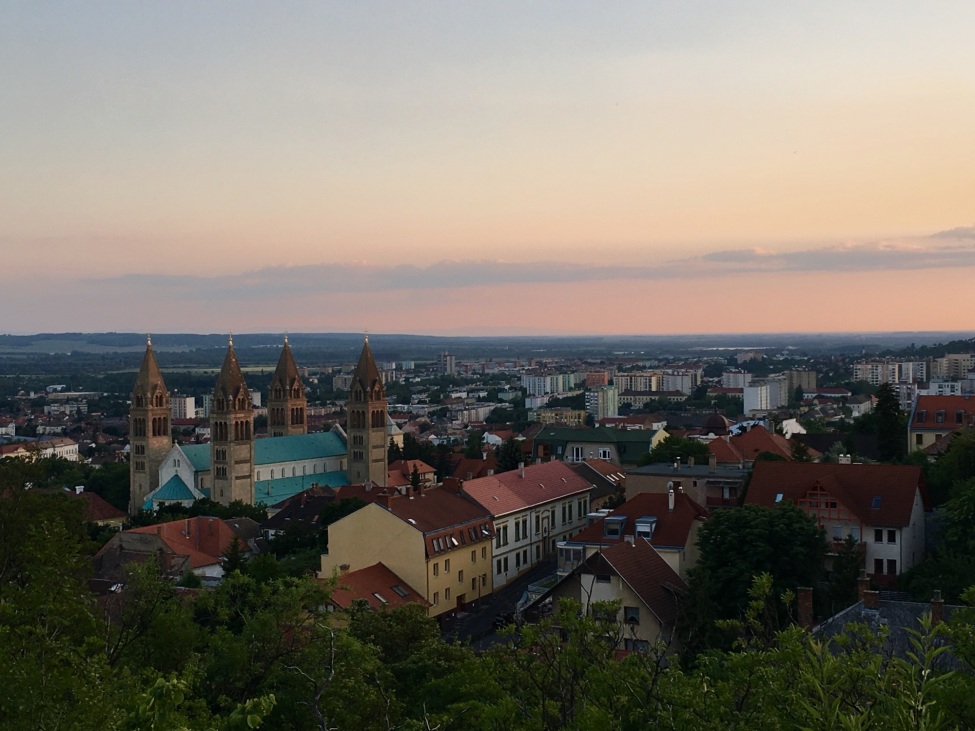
(758,439)
(877,494)
(377,585)
(673,527)
(511,491)
(435,509)
(97,508)
(204,540)
(649,575)
(926,412)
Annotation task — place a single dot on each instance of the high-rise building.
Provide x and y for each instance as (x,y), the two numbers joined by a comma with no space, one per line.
(603,402)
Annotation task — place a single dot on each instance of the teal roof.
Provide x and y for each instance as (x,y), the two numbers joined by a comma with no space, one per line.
(270,492)
(198,455)
(174,489)
(273,450)
(299,447)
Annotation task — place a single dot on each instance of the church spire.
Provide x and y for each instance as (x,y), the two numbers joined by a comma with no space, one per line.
(231,434)
(286,401)
(230,382)
(367,422)
(149,429)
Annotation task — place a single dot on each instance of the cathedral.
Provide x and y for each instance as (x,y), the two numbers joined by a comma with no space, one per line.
(237,466)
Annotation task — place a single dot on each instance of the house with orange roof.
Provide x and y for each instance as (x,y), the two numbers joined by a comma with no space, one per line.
(401,473)
(934,417)
(669,522)
(881,506)
(532,508)
(375,585)
(639,579)
(438,542)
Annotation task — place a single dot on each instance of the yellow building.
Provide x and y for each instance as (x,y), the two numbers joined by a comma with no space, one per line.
(436,541)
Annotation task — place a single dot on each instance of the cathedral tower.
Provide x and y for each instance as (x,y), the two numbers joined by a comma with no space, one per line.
(367,422)
(286,401)
(231,435)
(149,433)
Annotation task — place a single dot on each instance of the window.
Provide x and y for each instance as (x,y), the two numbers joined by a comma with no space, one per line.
(474,584)
(505,560)
(460,576)
(474,556)
(436,568)
(631,615)
(602,578)
(570,512)
(498,567)
(446,594)
(401,590)
(878,565)
(563,514)
(446,566)
(484,552)
(878,535)
(892,566)
(575,454)
(524,528)
(518,560)
(538,524)
(436,598)
(891,535)
(483,579)
(517,531)
(918,440)
(604,453)
(524,557)
(504,534)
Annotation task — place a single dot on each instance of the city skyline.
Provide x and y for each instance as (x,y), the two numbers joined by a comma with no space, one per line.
(535,168)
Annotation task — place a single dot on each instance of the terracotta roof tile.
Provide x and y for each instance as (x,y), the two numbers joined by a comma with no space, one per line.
(377,585)
(509,492)
(877,494)
(673,528)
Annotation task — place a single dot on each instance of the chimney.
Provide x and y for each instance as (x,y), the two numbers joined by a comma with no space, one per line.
(490,473)
(863,585)
(804,599)
(344,568)
(368,486)
(521,470)
(629,539)
(677,465)
(712,463)
(846,459)
(538,460)
(871,600)
(937,608)
(670,500)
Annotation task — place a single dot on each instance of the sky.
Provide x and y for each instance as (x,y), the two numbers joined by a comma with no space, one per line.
(497,167)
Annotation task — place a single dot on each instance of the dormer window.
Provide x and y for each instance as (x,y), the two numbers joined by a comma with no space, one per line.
(613,526)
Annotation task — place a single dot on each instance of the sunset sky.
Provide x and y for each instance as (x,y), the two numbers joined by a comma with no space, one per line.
(469,168)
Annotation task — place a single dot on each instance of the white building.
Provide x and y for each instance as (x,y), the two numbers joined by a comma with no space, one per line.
(533,508)
(182,407)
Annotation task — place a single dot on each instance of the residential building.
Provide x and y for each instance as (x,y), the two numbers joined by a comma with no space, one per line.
(182,407)
(934,417)
(561,416)
(670,523)
(619,446)
(712,485)
(375,585)
(438,542)
(735,378)
(639,579)
(532,508)
(880,506)
(637,381)
(603,402)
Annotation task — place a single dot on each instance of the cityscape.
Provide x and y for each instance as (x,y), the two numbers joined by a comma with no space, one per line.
(562,366)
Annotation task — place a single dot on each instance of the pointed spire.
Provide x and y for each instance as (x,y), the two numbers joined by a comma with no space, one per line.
(149,374)
(366,371)
(231,378)
(286,372)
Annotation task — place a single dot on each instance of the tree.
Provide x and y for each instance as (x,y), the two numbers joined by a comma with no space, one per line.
(509,455)
(737,545)
(393,452)
(233,557)
(891,425)
(415,479)
(474,445)
(673,448)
